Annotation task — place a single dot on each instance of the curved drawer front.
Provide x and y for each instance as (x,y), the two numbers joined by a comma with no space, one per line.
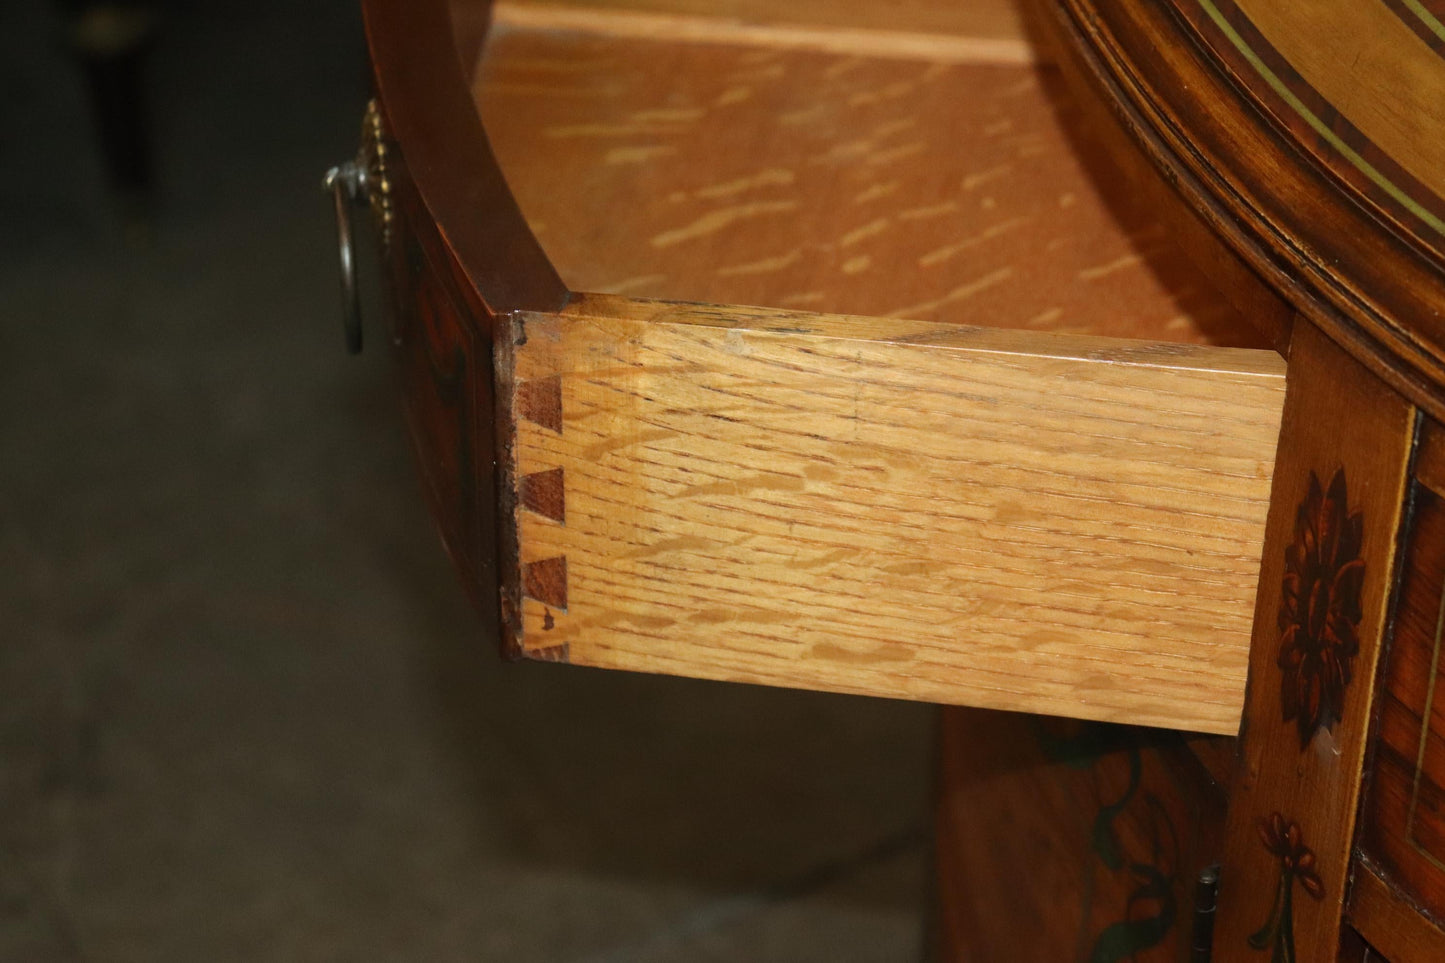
(443,348)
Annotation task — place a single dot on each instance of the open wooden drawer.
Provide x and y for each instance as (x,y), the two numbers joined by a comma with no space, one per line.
(980,435)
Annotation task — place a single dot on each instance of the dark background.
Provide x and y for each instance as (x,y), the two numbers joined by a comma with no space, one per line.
(245,712)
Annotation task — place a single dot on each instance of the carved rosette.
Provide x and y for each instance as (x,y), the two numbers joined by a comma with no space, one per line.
(1319,613)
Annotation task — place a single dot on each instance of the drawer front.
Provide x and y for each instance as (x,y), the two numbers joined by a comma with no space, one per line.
(1008,520)
(443,353)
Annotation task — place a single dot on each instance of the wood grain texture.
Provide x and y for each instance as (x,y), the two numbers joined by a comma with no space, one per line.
(1391,923)
(452,171)
(1403,831)
(1429,468)
(440,335)
(843,184)
(1321,242)
(1373,123)
(1293,805)
(983,19)
(829,36)
(1058,524)
(1104,122)
(1068,841)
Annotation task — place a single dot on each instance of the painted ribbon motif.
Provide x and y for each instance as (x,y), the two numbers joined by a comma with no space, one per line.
(1283,839)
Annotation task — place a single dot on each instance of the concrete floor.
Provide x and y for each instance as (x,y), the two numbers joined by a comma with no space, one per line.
(244,710)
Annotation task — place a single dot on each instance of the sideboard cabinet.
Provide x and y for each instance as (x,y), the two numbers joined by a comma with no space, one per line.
(1078,366)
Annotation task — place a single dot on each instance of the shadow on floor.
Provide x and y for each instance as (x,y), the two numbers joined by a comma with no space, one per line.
(244,710)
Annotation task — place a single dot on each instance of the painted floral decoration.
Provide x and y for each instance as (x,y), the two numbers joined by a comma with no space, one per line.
(1319,614)
(1284,841)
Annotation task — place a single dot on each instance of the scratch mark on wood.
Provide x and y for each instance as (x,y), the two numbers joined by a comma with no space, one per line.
(1104,270)
(960,293)
(939,255)
(628,285)
(765,266)
(715,221)
(772,177)
(637,155)
(983,177)
(864,232)
(881,653)
(876,191)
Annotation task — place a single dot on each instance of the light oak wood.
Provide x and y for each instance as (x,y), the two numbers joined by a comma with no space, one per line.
(1050,523)
(712,29)
(852,185)
(993,20)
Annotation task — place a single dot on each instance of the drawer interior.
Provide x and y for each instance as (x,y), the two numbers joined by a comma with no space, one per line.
(943,414)
(915,160)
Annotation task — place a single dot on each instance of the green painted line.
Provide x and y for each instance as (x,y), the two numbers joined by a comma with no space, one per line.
(1426,17)
(1319,126)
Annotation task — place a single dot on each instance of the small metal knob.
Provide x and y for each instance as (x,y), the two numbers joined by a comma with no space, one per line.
(349,184)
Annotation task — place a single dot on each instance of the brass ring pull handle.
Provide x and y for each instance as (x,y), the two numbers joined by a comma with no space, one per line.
(348,184)
(361,181)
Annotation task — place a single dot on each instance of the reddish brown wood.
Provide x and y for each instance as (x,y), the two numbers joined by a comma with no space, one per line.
(546,581)
(1325,580)
(1153,189)
(421,85)
(438,329)
(1391,923)
(1403,829)
(1056,838)
(1340,265)
(1263,215)
(1219,755)
(543,492)
(540,402)
(1429,469)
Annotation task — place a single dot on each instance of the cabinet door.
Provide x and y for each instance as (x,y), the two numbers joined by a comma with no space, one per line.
(1064,840)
